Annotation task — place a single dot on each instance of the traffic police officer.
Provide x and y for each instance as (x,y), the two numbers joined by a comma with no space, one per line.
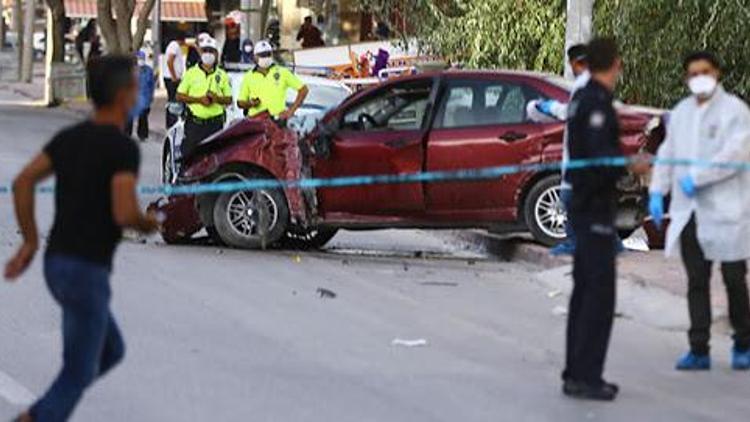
(264,88)
(594,133)
(206,90)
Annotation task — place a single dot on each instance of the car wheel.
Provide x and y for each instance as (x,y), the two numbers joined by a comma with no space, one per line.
(544,212)
(251,219)
(305,240)
(213,234)
(166,164)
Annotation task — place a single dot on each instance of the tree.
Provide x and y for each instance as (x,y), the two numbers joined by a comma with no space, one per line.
(655,35)
(114,18)
(518,34)
(57,13)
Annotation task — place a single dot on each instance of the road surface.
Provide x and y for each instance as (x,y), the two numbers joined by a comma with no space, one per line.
(225,335)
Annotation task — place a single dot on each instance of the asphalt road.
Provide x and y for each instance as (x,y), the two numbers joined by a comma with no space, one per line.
(225,335)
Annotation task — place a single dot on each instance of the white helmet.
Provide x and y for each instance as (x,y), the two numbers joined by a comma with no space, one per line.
(263,47)
(208,43)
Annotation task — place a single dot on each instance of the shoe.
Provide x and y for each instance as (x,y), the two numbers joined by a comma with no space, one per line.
(693,362)
(740,360)
(565,248)
(581,390)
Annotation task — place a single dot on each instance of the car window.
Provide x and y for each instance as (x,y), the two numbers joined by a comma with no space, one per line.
(483,103)
(398,107)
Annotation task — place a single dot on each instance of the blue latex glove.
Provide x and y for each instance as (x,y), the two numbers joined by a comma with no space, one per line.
(656,208)
(688,186)
(545,106)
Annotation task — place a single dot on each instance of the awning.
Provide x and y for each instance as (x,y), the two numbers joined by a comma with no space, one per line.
(171,11)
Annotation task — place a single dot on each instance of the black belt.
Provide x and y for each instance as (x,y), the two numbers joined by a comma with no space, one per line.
(208,121)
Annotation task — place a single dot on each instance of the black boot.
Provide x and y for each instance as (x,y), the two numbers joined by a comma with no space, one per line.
(602,391)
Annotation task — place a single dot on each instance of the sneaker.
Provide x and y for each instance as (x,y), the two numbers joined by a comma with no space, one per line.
(581,390)
(740,360)
(565,248)
(693,362)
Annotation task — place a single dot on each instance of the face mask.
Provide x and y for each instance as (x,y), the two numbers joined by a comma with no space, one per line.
(265,62)
(248,49)
(703,86)
(141,62)
(208,59)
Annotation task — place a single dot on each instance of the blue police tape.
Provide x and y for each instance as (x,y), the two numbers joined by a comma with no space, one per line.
(476,174)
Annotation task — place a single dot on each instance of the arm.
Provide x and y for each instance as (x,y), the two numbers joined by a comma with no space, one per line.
(735,149)
(224,96)
(125,209)
(183,97)
(23,197)
(301,95)
(244,100)
(661,178)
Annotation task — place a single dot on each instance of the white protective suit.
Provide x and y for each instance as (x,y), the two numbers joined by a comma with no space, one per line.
(717,131)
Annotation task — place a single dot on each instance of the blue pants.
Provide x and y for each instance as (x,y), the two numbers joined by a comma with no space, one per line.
(92,344)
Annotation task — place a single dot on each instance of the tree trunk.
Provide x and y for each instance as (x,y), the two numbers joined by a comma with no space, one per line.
(142,23)
(57,12)
(27,62)
(107,25)
(18,26)
(124,10)
(265,11)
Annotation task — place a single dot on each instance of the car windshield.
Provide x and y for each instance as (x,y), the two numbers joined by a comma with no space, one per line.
(321,97)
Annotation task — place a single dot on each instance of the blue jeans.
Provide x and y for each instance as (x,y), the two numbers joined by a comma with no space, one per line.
(566,196)
(92,344)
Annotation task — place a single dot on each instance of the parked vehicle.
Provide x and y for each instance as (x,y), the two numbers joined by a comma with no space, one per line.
(324,95)
(451,120)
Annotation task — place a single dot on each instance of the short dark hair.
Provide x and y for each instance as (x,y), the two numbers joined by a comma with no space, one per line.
(702,55)
(577,52)
(602,54)
(107,75)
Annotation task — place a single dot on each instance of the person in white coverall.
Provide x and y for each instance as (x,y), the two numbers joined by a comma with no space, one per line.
(545,111)
(710,208)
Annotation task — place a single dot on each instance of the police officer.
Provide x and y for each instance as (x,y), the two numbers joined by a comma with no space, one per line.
(594,133)
(206,91)
(264,88)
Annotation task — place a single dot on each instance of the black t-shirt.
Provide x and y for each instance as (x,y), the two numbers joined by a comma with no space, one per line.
(85,157)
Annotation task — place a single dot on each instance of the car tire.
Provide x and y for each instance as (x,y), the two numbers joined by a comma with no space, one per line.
(306,240)
(213,234)
(238,222)
(544,214)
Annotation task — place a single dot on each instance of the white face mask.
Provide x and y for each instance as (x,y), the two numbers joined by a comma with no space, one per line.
(208,59)
(141,62)
(703,86)
(265,62)
(248,49)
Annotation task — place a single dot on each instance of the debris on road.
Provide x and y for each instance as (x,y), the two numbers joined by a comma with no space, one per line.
(325,293)
(439,283)
(420,342)
(553,294)
(560,311)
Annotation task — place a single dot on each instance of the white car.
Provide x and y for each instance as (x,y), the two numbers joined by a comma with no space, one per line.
(324,95)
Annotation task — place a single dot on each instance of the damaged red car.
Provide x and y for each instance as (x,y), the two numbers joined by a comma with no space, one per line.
(449,120)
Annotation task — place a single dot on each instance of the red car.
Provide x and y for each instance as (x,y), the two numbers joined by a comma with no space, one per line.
(449,120)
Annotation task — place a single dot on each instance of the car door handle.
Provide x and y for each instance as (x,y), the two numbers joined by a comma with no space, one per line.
(512,136)
(397,143)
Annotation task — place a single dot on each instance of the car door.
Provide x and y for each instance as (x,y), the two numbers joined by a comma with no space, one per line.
(382,133)
(482,122)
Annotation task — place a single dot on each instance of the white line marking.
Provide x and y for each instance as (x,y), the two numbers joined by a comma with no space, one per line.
(13,392)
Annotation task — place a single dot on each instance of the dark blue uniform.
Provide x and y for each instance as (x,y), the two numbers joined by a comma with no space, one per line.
(594,132)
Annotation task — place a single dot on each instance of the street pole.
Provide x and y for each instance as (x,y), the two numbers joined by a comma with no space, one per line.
(27,62)
(156,35)
(18,26)
(579,27)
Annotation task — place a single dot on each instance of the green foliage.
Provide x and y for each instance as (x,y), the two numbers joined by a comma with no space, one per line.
(516,34)
(655,35)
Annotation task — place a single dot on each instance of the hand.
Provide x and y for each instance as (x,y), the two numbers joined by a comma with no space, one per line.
(640,164)
(656,208)
(286,114)
(688,186)
(545,106)
(20,262)
(255,102)
(206,101)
